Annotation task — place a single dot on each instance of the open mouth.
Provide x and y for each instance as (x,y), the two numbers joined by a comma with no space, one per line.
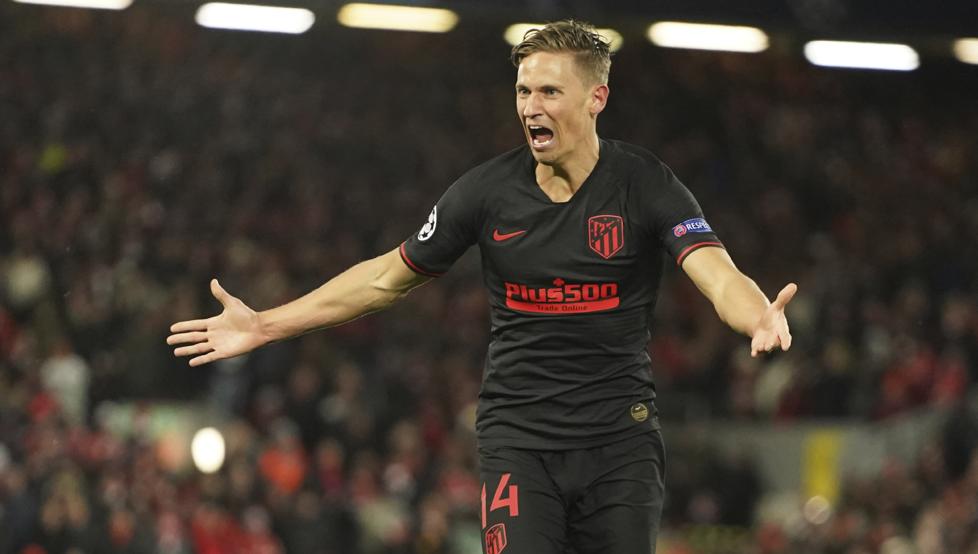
(539,135)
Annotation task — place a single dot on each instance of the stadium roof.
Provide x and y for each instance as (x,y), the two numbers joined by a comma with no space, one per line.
(913,17)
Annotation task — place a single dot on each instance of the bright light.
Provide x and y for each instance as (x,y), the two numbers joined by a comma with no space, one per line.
(249,17)
(207,450)
(862,55)
(701,36)
(966,50)
(817,510)
(397,18)
(615,40)
(94,4)
(514,34)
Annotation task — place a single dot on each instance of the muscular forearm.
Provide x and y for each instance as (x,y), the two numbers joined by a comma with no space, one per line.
(740,303)
(367,287)
(736,297)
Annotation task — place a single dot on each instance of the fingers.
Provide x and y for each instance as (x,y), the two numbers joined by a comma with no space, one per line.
(775,325)
(764,343)
(187,326)
(785,296)
(183,338)
(201,324)
(193,333)
(205,359)
(757,347)
(203,352)
(199,348)
(218,291)
(785,338)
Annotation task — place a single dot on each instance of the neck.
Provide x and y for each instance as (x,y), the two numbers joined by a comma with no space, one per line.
(562,179)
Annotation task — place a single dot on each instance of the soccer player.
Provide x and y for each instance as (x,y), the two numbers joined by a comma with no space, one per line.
(572,230)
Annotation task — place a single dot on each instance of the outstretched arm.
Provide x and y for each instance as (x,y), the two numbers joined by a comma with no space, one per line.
(738,300)
(364,288)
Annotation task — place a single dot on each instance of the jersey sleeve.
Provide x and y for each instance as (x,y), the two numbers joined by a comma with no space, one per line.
(676,218)
(447,234)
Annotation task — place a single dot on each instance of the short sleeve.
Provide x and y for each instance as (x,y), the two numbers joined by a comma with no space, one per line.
(676,218)
(448,232)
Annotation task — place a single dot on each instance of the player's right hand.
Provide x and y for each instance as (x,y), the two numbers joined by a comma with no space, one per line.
(235,331)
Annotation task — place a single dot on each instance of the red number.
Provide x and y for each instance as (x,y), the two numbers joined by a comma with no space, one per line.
(511,501)
(483,505)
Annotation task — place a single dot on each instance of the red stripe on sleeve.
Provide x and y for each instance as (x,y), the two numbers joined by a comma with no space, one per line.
(689,249)
(414,267)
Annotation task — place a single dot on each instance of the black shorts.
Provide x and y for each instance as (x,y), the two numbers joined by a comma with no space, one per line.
(606,499)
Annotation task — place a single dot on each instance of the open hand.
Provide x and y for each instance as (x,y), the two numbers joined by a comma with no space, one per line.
(772,329)
(235,331)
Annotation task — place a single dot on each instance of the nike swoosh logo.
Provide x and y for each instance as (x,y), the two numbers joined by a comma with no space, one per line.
(500,237)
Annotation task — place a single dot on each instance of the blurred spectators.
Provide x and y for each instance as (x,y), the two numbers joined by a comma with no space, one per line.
(140,156)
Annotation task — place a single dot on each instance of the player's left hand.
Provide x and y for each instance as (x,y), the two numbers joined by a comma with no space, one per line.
(772,329)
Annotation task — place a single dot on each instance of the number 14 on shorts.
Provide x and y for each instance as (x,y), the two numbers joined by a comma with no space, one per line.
(506,496)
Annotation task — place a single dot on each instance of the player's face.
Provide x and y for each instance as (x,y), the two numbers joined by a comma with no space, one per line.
(557,107)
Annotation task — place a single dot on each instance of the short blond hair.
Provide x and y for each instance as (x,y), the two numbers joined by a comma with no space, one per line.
(590,49)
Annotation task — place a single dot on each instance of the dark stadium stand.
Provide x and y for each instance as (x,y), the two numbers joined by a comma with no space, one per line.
(141,155)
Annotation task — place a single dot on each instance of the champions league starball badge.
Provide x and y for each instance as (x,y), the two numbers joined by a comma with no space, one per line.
(429,227)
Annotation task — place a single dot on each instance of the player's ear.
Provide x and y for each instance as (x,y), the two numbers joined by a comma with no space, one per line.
(599,98)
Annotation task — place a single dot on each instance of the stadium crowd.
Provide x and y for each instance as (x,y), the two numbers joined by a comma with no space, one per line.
(141,155)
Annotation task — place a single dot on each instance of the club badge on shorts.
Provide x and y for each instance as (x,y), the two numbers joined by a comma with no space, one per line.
(496,539)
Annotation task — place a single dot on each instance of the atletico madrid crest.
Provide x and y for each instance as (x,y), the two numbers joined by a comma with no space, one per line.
(606,234)
(496,539)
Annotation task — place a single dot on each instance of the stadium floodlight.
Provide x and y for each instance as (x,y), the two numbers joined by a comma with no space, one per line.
(514,34)
(862,55)
(207,450)
(397,18)
(966,50)
(706,36)
(251,17)
(93,4)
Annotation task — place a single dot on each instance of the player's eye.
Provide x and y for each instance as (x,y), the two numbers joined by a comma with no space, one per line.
(551,91)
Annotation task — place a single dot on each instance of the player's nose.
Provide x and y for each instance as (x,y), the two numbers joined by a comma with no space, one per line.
(531,106)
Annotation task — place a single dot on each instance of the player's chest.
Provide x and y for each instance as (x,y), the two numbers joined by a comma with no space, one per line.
(585,236)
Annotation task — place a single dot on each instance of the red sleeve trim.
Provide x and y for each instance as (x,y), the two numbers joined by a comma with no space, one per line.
(414,267)
(689,249)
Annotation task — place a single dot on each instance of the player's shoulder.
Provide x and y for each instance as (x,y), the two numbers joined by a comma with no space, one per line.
(480,185)
(638,162)
(503,166)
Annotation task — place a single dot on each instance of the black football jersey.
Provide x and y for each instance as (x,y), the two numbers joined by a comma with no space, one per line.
(572,288)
